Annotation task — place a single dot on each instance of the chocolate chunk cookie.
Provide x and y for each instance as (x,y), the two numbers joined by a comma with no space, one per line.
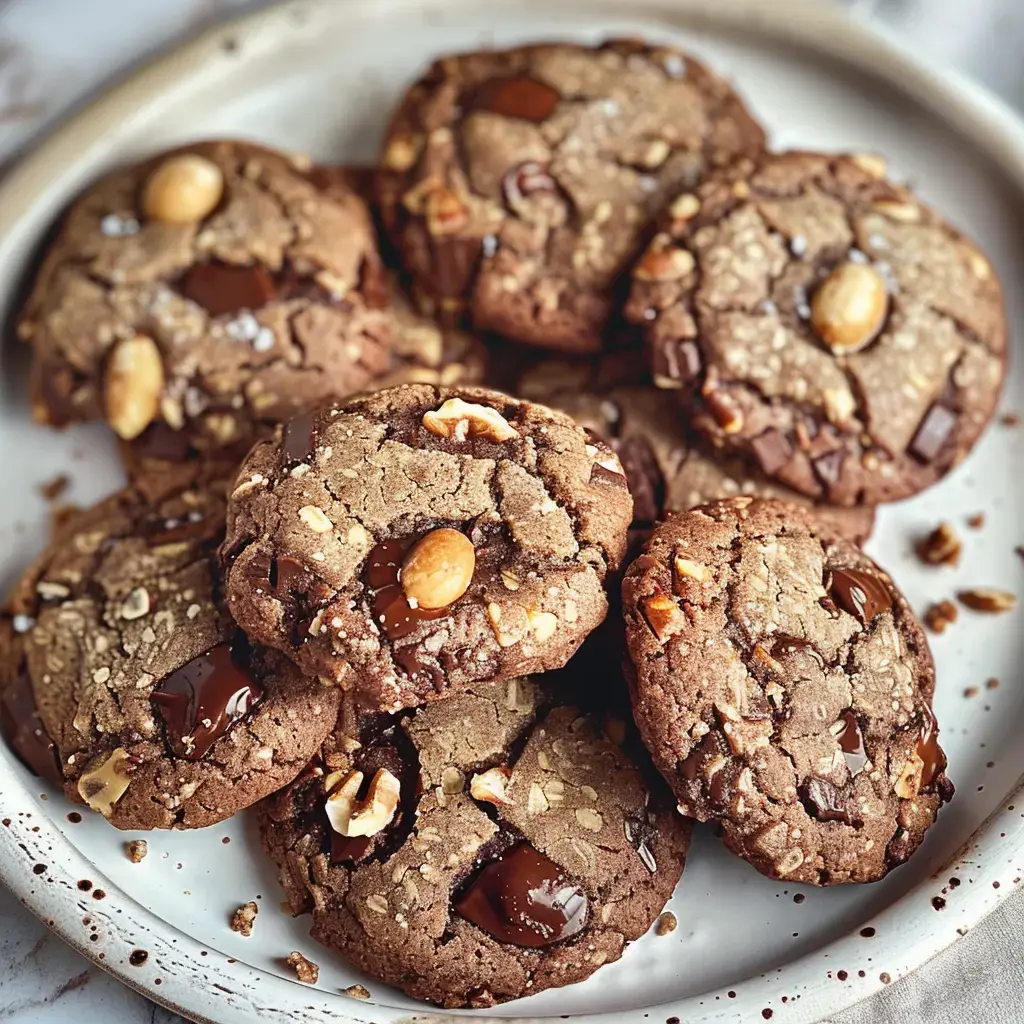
(669,468)
(153,708)
(518,184)
(204,294)
(783,688)
(411,542)
(484,848)
(824,324)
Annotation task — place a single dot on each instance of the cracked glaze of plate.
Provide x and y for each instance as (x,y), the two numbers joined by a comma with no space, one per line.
(320,76)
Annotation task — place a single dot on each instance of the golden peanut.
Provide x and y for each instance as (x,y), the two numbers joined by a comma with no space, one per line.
(663,262)
(134,379)
(849,307)
(438,569)
(183,189)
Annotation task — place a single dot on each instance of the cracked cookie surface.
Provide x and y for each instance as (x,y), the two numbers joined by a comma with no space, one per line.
(161,714)
(517,185)
(201,296)
(668,467)
(783,688)
(518,848)
(824,324)
(410,542)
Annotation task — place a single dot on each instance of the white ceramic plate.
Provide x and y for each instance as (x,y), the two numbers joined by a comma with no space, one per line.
(320,76)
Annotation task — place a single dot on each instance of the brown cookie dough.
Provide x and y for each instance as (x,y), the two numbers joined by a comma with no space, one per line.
(783,688)
(484,848)
(821,322)
(161,713)
(408,543)
(517,185)
(198,297)
(669,468)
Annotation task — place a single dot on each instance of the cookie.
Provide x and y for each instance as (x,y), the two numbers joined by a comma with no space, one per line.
(408,543)
(208,292)
(517,185)
(783,687)
(123,679)
(669,468)
(825,325)
(484,848)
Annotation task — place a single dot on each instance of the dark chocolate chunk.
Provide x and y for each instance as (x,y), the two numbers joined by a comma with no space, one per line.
(827,803)
(645,478)
(222,289)
(859,593)
(23,729)
(202,700)
(933,432)
(299,439)
(772,449)
(455,263)
(525,899)
(930,752)
(851,742)
(519,97)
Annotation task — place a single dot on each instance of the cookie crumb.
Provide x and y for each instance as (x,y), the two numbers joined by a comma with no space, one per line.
(977,521)
(137,850)
(357,991)
(1009,419)
(941,546)
(991,684)
(988,599)
(244,918)
(666,924)
(305,970)
(940,615)
(52,489)
(971,691)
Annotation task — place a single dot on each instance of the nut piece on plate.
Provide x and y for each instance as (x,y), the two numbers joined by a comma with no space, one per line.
(244,918)
(743,691)
(988,599)
(137,849)
(471,537)
(940,615)
(305,970)
(941,547)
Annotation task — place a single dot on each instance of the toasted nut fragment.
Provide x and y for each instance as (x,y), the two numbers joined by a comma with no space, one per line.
(137,849)
(536,801)
(543,625)
(849,307)
(685,207)
(305,970)
(183,189)
(445,212)
(905,213)
(103,786)
(136,604)
(452,781)
(350,816)
(666,924)
(980,267)
(357,992)
(402,152)
(244,918)
(872,163)
(133,381)
(694,570)
(663,616)
(790,861)
(490,785)
(723,408)
(988,599)
(941,615)
(510,579)
(461,420)
(908,785)
(315,519)
(664,262)
(589,819)
(941,546)
(438,569)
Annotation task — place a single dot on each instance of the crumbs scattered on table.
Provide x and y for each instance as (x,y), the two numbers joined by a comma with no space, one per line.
(305,970)
(940,615)
(941,546)
(243,920)
(991,684)
(977,521)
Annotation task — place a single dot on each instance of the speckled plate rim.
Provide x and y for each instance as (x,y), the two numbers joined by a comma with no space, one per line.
(42,867)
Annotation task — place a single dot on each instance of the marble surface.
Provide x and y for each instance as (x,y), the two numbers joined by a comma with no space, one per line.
(53,55)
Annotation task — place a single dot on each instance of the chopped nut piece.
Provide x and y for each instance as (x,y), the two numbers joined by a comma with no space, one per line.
(137,850)
(663,616)
(663,261)
(136,604)
(183,189)
(666,924)
(244,918)
(536,801)
(461,420)
(438,569)
(849,307)
(543,624)
(694,570)
(589,819)
(316,519)
(977,521)
(352,817)
(357,991)
(871,163)
(452,781)
(988,599)
(908,785)
(305,970)
(941,547)
(940,615)
(685,207)
(790,861)
(489,786)
(402,152)
(133,381)
(103,786)
(510,579)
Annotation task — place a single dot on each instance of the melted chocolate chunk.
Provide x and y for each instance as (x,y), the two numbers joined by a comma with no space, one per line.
(640,834)
(391,608)
(786,645)
(859,593)
(772,449)
(932,433)
(827,803)
(222,288)
(519,97)
(678,360)
(525,180)
(929,751)
(644,476)
(349,849)
(525,899)
(418,664)
(851,743)
(202,700)
(23,729)
(298,441)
